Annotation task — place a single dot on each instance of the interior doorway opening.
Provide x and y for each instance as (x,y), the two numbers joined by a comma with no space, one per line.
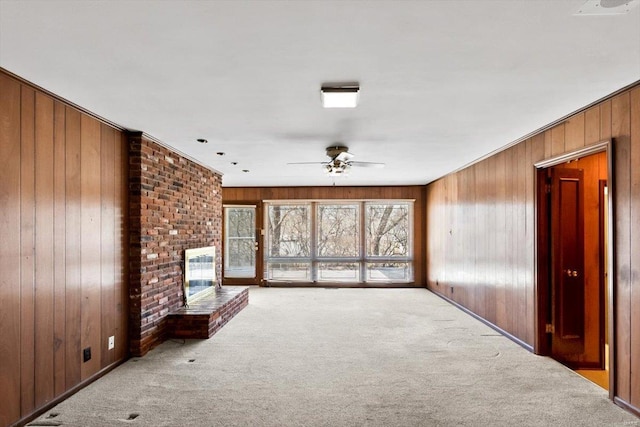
(574,287)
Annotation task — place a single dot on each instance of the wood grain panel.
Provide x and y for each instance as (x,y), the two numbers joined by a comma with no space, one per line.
(520,217)
(44,243)
(500,233)
(90,243)
(547,144)
(468,245)
(635,248)
(537,154)
(592,125)
(557,140)
(605,120)
(9,250)
(27,249)
(500,286)
(108,237)
(59,184)
(574,133)
(510,244)
(49,209)
(482,251)
(73,231)
(620,126)
(491,235)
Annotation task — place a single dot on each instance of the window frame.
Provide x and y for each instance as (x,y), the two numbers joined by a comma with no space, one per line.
(363,260)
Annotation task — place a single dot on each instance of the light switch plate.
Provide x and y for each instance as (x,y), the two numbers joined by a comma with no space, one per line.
(112,342)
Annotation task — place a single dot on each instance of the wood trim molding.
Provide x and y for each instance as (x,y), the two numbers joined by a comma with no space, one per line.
(544,128)
(627,406)
(611,262)
(272,284)
(63,100)
(498,329)
(598,147)
(41,410)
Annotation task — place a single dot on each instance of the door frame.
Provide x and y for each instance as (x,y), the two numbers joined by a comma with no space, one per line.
(258,239)
(541,254)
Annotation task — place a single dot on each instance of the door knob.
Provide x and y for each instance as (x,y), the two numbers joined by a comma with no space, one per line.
(571,273)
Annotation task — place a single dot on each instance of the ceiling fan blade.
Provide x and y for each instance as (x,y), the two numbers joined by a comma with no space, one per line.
(345,156)
(307,163)
(366,164)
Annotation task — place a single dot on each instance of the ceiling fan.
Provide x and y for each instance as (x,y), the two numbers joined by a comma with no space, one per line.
(340,161)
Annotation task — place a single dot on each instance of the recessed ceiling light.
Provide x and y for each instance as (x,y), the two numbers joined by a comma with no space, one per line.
(245,170)
(220,153)
(234,163)
(339,96)
(202,140)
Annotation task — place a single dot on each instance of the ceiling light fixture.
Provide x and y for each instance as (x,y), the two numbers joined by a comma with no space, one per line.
(202,140)
(606,7)
(337,168)
(339,96)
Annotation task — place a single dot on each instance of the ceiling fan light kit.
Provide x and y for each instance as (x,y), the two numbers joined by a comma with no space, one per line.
(340,161)
(606,7)
(339,96)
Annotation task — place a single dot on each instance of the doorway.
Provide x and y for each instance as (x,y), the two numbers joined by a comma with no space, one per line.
(573,257)
(242,254)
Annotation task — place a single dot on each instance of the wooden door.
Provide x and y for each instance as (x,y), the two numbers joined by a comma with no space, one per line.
(567,265)
(242,249)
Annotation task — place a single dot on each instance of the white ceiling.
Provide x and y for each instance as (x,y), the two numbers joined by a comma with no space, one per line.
(442,82)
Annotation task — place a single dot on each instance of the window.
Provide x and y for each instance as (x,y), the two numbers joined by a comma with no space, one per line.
(339,241)
(288,242)
(388,237)
(338,231)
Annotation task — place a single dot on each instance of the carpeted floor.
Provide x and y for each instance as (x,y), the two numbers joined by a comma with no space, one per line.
(345,357)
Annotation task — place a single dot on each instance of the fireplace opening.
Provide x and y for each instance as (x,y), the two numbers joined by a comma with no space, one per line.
(199,272)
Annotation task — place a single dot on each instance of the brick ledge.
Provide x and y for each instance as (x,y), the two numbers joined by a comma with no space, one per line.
(206,316)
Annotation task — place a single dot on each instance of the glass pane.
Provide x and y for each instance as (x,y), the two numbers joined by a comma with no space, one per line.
(239,247)
(240,222)
(389,271)
(289,271)
(241,258)
(338,230)
(339,272)
(288,233)
(387,228)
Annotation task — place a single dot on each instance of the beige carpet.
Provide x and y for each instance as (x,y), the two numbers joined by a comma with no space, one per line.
(346,357)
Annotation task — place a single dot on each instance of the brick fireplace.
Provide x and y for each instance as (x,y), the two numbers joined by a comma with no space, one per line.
(174,204)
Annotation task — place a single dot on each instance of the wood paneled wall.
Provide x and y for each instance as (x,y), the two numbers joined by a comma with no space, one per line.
(480,228)
(63,227)
(417,193)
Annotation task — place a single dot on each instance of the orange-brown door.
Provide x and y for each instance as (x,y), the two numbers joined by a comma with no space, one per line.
(567,265)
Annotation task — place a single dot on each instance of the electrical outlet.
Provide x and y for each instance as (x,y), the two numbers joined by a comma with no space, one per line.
(86,354)
(112,342)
